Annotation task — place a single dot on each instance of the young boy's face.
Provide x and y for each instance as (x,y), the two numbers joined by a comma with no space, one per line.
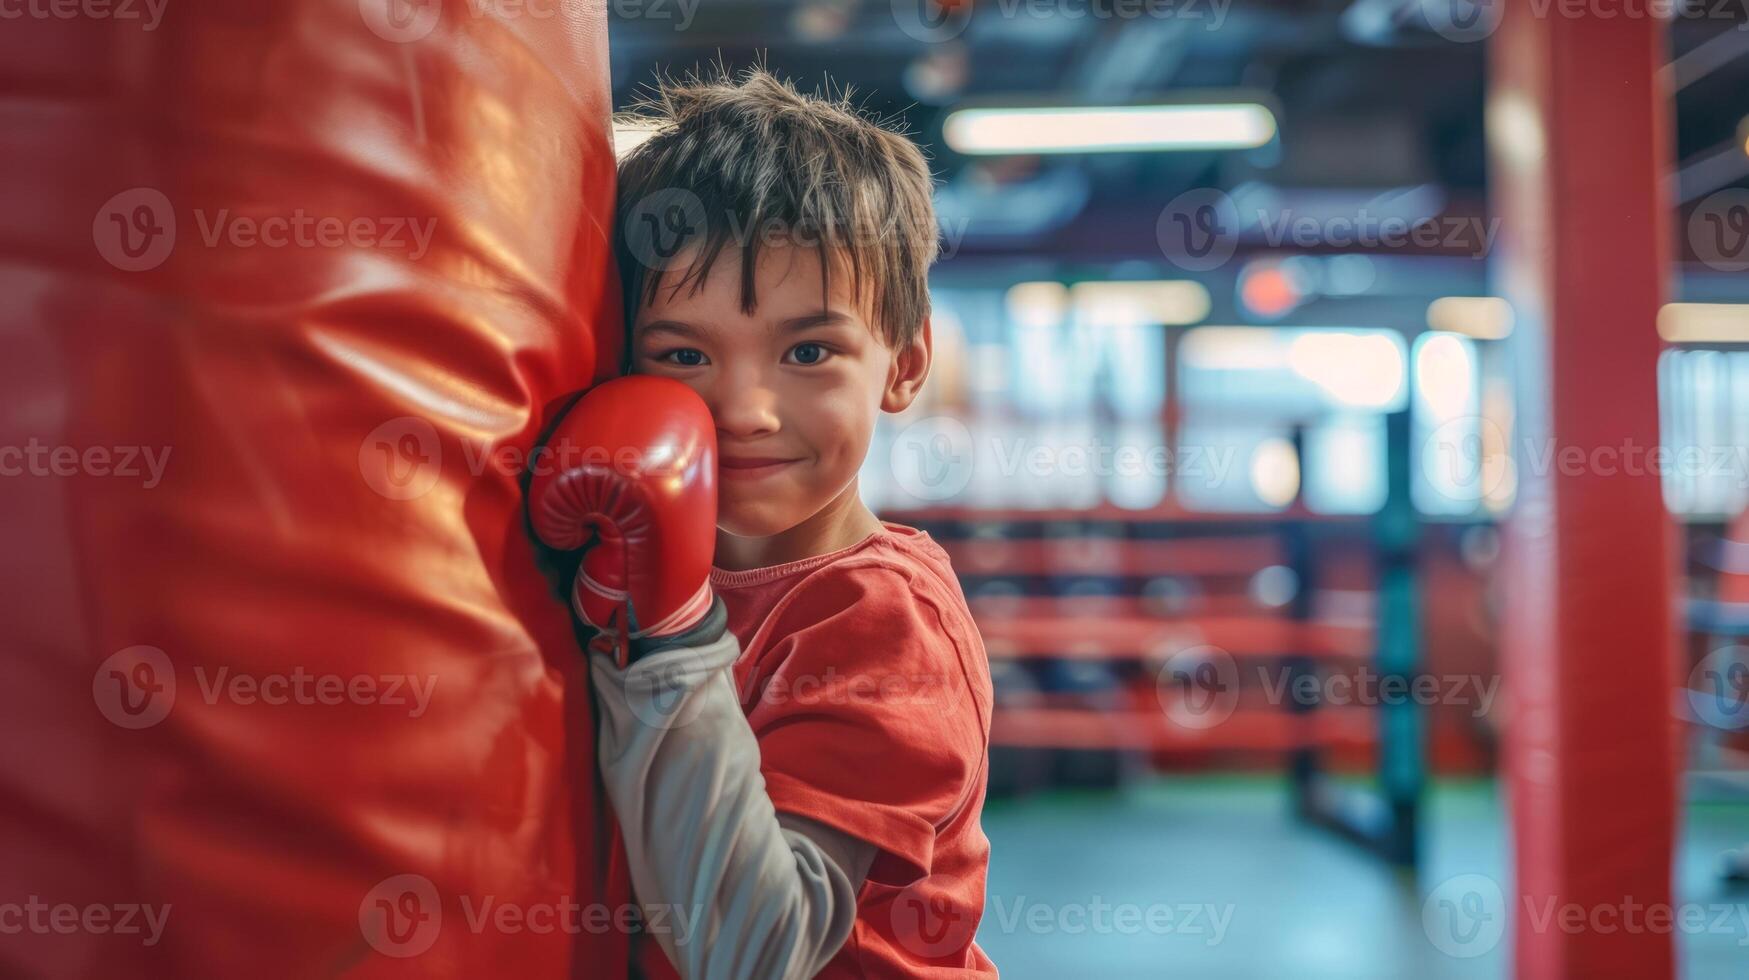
(794,387)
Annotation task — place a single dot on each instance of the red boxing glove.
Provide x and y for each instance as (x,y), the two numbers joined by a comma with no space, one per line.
(631,473)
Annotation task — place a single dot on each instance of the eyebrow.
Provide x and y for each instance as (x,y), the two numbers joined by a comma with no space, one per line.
(679,328)
(824,318)
(675,327)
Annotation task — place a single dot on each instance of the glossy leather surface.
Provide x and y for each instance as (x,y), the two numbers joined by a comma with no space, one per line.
(341,421)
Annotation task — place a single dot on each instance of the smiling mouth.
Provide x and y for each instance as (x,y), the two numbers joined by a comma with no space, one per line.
(751,467)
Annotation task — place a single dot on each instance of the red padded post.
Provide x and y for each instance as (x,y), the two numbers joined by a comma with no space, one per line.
(1579,142)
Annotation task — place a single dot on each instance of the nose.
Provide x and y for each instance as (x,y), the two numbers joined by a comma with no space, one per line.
(744,405)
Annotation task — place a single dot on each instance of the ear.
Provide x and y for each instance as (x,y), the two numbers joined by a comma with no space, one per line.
(910,368)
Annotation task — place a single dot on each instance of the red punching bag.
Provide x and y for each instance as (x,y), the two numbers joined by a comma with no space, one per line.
(288,291)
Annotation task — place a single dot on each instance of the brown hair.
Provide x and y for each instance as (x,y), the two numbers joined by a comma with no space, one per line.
(752,162)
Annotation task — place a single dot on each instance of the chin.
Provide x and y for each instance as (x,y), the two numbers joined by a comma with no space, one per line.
(758,521)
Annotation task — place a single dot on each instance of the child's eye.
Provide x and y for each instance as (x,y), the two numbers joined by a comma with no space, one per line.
(684,356)
(808,353)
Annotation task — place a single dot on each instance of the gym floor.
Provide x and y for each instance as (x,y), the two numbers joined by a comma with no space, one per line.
(1276,898)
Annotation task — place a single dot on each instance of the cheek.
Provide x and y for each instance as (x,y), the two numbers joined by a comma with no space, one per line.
(836,418)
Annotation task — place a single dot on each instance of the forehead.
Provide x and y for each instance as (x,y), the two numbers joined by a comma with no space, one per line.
(787,281)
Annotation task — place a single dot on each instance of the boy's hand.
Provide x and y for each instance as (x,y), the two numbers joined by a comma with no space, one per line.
(631,473)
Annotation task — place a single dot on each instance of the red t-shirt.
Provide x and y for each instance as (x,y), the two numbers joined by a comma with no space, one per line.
(866,683)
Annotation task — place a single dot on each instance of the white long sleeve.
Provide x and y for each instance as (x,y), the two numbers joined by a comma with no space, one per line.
(728,888)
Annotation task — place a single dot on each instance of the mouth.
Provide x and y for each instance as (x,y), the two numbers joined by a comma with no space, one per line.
(752,467)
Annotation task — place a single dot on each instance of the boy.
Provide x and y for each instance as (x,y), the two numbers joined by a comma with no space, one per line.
(794,735)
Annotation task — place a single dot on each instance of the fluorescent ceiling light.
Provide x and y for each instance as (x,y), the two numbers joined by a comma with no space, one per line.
(1173,302)
(1481,317)
(1108,129)
(1704,323)
(1038,304)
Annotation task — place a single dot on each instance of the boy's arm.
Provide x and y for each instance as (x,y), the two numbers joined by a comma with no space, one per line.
(729,887)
